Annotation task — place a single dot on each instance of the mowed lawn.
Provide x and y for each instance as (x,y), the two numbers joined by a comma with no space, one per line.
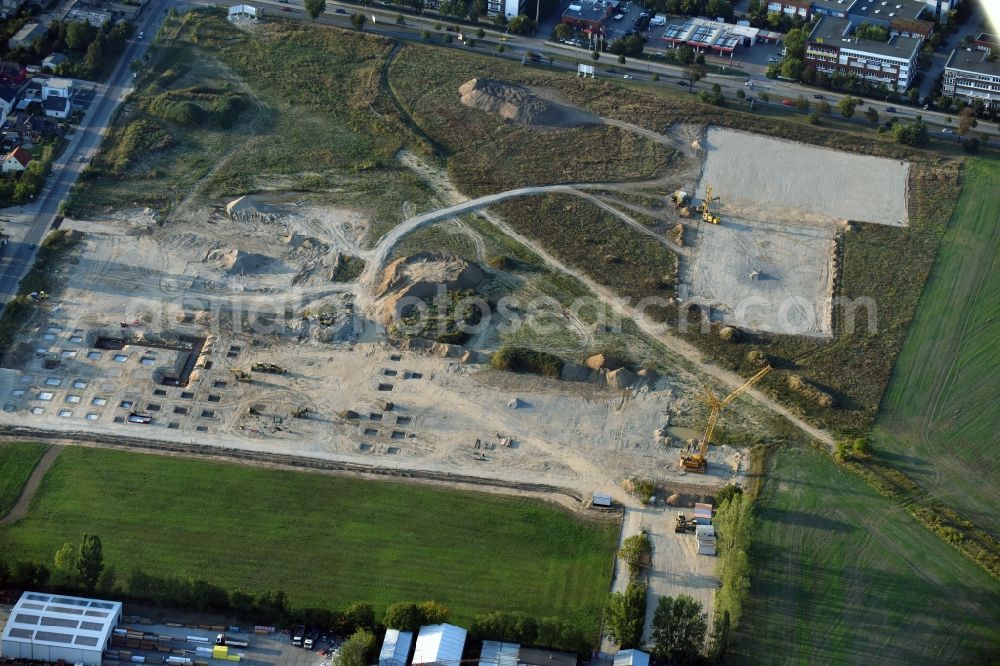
(327,541)
(939,419)
(845,576)
(17,459)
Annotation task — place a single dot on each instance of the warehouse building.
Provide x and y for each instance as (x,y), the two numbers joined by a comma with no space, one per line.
(497,653)
(46,627)
(395,648)
(440,644)
(631,658)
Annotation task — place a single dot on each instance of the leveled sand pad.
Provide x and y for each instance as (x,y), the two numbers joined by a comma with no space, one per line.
(763,277)
(762,178)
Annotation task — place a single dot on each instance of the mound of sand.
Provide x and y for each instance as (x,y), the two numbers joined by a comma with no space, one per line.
(603,362)
(512,102)
(236,262)
(416,277)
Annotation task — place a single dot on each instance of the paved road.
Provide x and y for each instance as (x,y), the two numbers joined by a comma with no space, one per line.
(566,59)
(36,218)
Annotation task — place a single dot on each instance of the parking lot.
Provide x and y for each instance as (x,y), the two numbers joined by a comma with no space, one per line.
(272,649)
(626,19)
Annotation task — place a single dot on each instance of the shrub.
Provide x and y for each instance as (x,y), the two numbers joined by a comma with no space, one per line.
(519,359)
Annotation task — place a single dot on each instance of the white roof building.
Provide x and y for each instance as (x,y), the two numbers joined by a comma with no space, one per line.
(395,648)
(496,653)
(631,658)
(440,644)
(46,627)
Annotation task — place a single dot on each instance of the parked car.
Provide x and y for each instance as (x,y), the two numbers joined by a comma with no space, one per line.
(141,35)
(338,10)
(890,109)
(947,131)
(818,97)
(748,83)
(627,76)
(788,102)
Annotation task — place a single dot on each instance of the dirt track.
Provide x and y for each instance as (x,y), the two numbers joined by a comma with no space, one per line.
(20,509)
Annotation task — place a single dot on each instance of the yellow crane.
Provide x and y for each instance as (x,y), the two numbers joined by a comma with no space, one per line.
(705,209)
(697,462)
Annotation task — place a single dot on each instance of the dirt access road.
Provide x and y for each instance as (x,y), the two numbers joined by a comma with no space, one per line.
(378,256)
(20,509)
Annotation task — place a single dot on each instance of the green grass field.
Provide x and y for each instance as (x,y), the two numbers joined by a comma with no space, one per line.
(17,459)
(939,420)
(326,541)
(845,576)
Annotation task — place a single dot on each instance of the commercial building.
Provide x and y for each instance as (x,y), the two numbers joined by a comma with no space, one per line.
(873,12)
(509,8)
(395,648)
(830,48)
(970,76)
(57,628)
(703,34)
(439,644)
(588,16)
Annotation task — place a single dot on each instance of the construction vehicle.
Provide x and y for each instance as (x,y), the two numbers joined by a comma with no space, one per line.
(684,524)
(698,461)
(680,198)
(242,376)
(268,367)
(706,207)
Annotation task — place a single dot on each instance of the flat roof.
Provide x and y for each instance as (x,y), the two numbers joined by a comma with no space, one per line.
(974,61)
(497,653)
(62,621)
(538,657)
(831,31)
(586,10)
(886,10)
(836,5)
(712,34)
(58,83)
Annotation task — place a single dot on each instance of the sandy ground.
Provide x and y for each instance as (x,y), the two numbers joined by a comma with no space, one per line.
(774,180)
(676,567)
(763,277)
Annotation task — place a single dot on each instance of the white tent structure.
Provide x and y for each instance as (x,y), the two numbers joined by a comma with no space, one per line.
(395,648)
(631,658)
(46,627)
(495,653)
(439,644)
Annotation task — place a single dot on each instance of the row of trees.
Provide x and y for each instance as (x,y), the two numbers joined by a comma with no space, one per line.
(80,568)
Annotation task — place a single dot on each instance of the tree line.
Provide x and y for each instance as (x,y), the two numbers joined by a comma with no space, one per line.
(79,568)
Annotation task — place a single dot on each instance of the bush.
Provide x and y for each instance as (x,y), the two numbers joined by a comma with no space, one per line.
(519,359)
(635,552)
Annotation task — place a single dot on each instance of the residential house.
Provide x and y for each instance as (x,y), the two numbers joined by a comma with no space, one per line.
(509,8)
(9,8)
(7,97)
(52,61)
(12,74)
(15,161)
(56,94)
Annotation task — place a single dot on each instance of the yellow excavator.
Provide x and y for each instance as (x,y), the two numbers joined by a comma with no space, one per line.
(698,462)
(706,207)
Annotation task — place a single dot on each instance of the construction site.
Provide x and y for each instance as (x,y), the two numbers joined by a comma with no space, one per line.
(229,325)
